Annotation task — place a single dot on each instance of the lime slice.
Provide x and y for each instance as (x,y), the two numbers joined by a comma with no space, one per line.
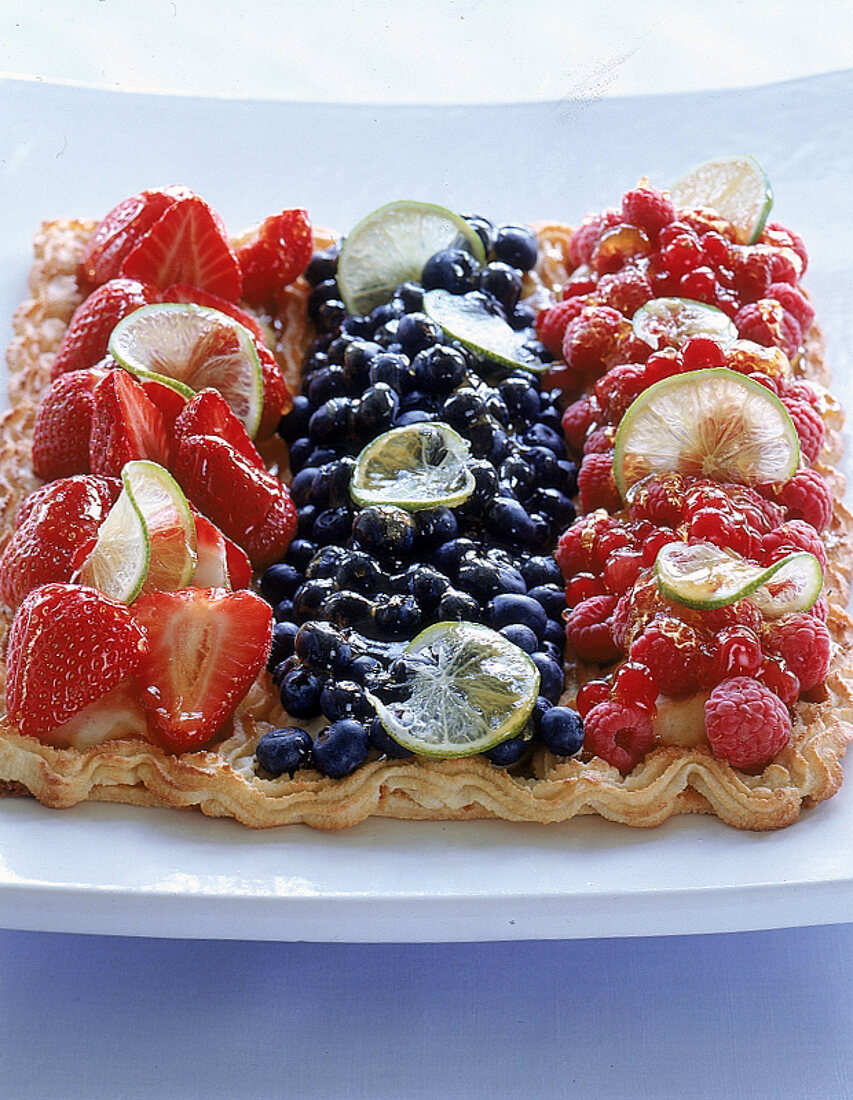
(391,246)
(705,576)
(465,317)
(668,322)
(147,541)
(468,689)
(737,188)
(417,466)
(708,423)
(192,347)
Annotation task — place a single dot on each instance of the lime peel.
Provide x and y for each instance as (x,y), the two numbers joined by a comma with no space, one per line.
(465,317)
(418,466)
(704,576)
(471,689)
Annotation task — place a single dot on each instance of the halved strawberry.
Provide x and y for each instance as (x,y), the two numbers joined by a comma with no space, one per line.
(220,563)
(208,413)
(187,244)
(186,293)
(277,397)
(249,505)
(68,646)
(64,424)
(117,233)
(55,526)
(169,401)
(126,425)
(205,648)
(88,333)
(274,256)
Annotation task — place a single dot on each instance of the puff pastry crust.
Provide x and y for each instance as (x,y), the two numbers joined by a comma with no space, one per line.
(223,783)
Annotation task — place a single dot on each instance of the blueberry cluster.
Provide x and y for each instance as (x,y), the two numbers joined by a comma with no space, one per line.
(358,582)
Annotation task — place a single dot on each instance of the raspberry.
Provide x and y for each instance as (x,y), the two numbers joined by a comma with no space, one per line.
(599,441)
(803,643)
(700,284)
(620,733)
(596,484)
(700,352)
(807,496)
(585,237)
(653,543)
(588,630)
(625,290)
(620,620)
(582,586)
(820,608)
(581,282)
(744,613)
(784,267)
(672,652)
(574,552)
(633,683)
(752,272)
(746,724)
(577,420)
(592,338)
(809,424)
(737,652)
(766,322)
(776,675)
(659,499)
(551,323)
(789,538)
(793,301)
(616,389)
(621,569)
(682,252)
(648,208)
(590,694)
(662,364)
(778,236)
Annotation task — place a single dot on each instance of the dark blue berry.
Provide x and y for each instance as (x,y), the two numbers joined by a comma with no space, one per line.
(361,668)
(484,229)
(516,245)
(294,423)
(341,748)
(523,316)
(333,420)
(382,528)
(323,646)
(300,552)
(551,596)
(332,526)
(302,485)
(309,599)
(283,634)
(520,635)
(347,608)
(418,400)
(455,605)
(553,504)
(384,743)
(283,750)
(462,408)
(278,581)
(393,369)
(396,616)
(330,315)
(541,569)
(411,296)
(327,383)
(509,608)
(283,610)
(517,477)
(440,368)
(300,450)
(436,526)
(326,562)
(551,676)
(508,521)
(344,699)
(508,752)
(416,331)
(357,359)
(305,517)
(427,584)
(451,269)
(376,409)
(362,573)
(555,633)
(322,266)
(501,281)
(324,291)
(562,731)
(540,435)
(485,578)
(488,439)
(413,416)
(448,556)
(300,693)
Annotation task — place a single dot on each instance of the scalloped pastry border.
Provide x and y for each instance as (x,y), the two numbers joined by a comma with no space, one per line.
(672,780)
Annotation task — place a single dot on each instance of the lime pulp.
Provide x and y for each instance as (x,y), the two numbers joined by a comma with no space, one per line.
(668,322)
(466,318)
(737,188)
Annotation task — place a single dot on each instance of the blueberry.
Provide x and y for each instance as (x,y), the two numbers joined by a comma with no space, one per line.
(501,281)
(508,521)
(339,475)
(337,349)
(553,504)
(463,407)
(344,699)
(544,464)
(384,314)
(302,485)
(300,552)
(540,435)
(416,331)
(522,316)
(488,439)
(283,750)
(383,528)
(411,296)
(332,526)
(521,397)
(361,573)
(341,748)
(322,266)
(283,610)
(300,693)
(448,556)
(555,633)
(539,708)
(496,406)
(516,245)
(485,483)
(456,605)
(551,596)
(413,416)
(427,584)
(324,291)
(552,650)
(550,676)
(347,608)
(520,635)
(440,368)
(278,581)
(327,383)
(384,743)
(323,646)
(361,668)
(541,569)
(484,229)
(569,476)
(326,562)
(393,369)
(451,269)
(484,579)
(283,634)
(330,314)
(562,731)
(300,449)
(332,420)
(305,517)
(517,476)
(309,599)
(294,423)
(397,616)
(376,409)
(508,752)
(419,400)
(509,608)
(357,359)
(436,526)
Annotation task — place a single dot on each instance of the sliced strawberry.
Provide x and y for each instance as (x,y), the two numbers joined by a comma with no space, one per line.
(185,292)
(55,525)
(187,244)
(221,563)
(208,413)
(126,425)
(64,424)
(206,646)
(117,233)
(249,505)
(169,401)
(68,646)
(275,256)
(88,333)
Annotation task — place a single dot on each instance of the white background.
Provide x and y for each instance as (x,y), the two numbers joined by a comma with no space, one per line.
(763,1014)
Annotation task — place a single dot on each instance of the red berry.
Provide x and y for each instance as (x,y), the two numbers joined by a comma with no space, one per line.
(85,340)
(752,273)
(737,652)
(590,694)
(596,484)
(633,683)
(617,245)
(275,256)
(648,208)
(746,723)
(64,424)
(699,284)
(776,676)
(616,389)
(804,644)
(551,323)
(681,253)
(585,237)
(621,569)
(793,301)
(809,424)
(780,237)
(592,338)
(807,496)
(625,290)
(588,630)
(660,537)
(577,420)
(745,613)
(582,586)
(659,499)
(701,352)
(766,322)
(620,733)
(671,650)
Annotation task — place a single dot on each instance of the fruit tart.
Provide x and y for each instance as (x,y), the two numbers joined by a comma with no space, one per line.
(445,519)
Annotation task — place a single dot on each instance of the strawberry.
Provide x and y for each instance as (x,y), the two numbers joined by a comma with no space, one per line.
(117,233)
(187,244)
(208,413)
(55,526)
(185,292)
(220,562)
(68,646)
(64,424)
(249,505)
(169,401)
(275,256)
(88,333)
(205,648)
(126,425)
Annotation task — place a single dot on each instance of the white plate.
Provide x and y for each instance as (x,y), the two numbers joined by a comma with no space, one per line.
(109,869)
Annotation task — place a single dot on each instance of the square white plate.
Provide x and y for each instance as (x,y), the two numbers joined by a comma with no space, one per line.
(120,870)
